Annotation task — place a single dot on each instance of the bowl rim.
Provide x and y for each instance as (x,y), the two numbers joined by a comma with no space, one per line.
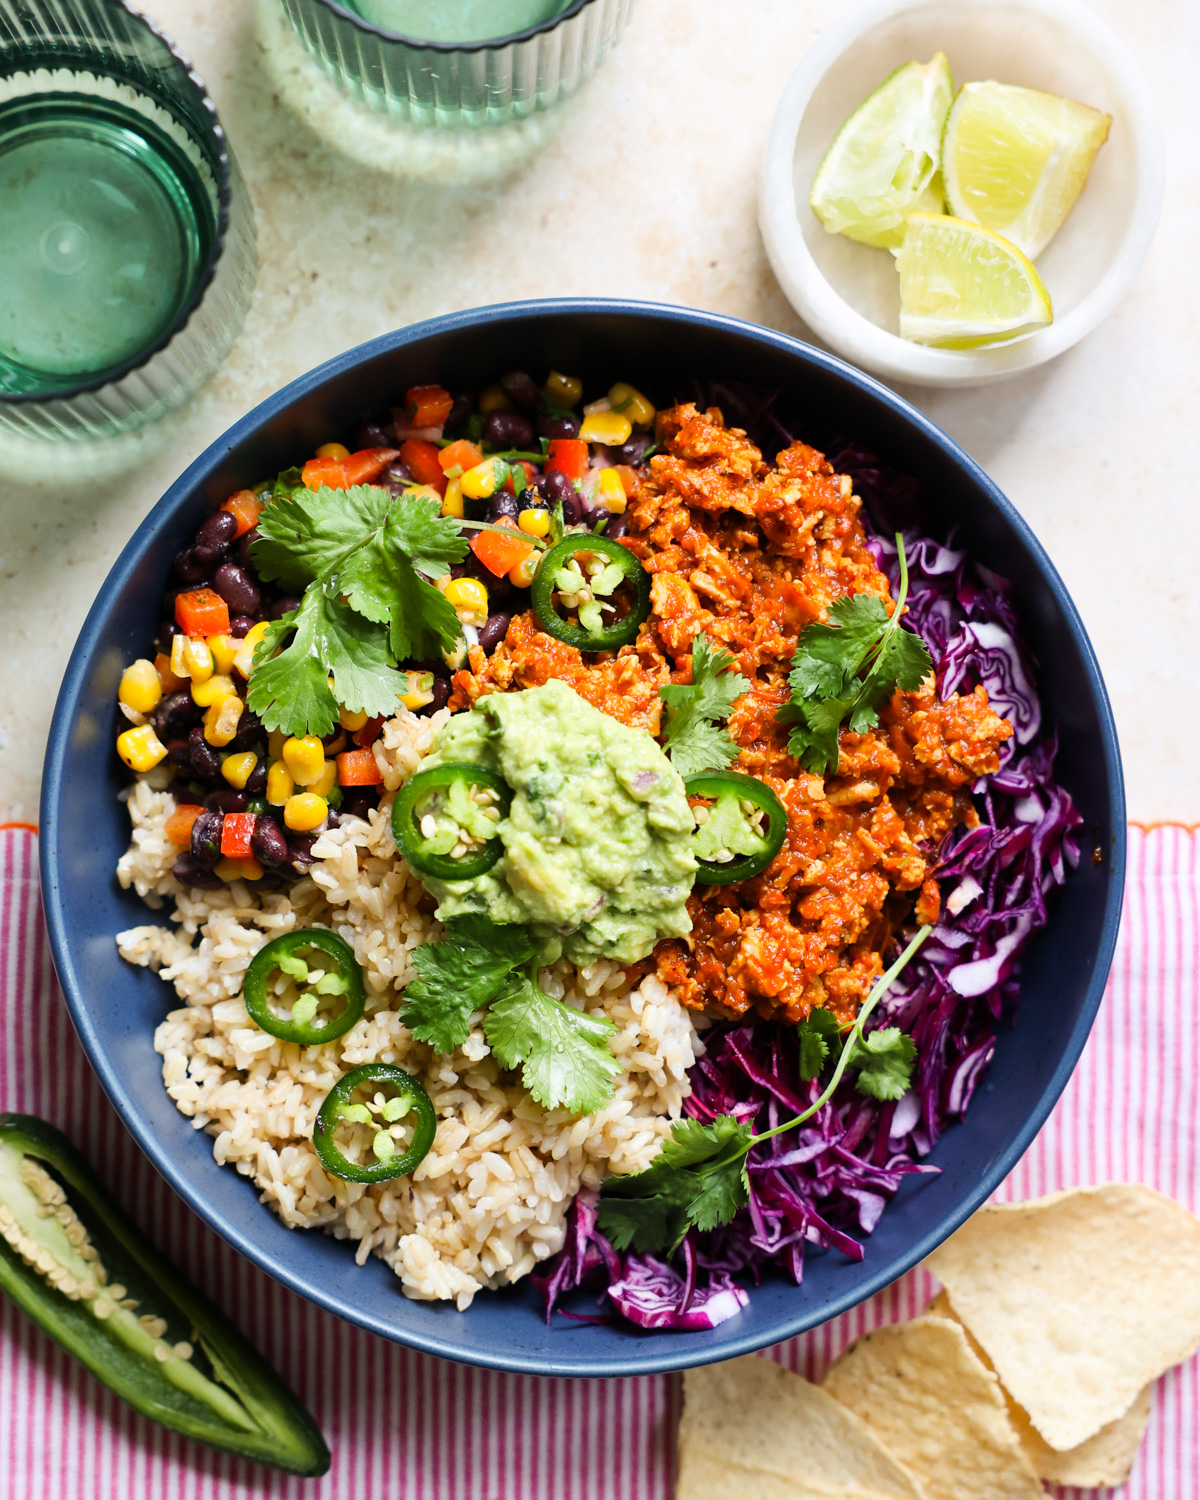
(636,1358)
(863,341)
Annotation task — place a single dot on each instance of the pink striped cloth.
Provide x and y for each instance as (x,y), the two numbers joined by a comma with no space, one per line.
(404,1426)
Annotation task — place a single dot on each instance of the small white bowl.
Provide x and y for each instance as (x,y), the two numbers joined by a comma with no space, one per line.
(848,293)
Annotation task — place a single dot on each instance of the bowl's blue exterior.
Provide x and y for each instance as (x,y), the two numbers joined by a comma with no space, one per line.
(84,829)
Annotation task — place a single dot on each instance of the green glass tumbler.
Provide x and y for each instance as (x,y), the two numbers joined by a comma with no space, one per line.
(449,74)
(127,243)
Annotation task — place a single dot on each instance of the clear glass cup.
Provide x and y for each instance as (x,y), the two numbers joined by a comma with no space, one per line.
(127,242)
(472,80)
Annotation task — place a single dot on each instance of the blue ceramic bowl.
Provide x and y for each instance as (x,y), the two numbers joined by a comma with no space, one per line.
(84,829)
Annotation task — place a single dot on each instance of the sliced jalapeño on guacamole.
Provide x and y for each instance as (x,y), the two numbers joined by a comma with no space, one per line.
(444,820)
(740,826)
(583,575)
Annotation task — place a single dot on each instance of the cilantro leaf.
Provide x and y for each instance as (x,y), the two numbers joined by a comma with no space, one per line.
(309,533)
(430,540)
(563,1052)
(458,975)
(884,1060)
(690,735)
(829,657)
(423,622)
(814,739)
(291,691)
(819,1034)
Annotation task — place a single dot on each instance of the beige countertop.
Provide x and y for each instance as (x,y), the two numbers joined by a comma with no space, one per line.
(647,188)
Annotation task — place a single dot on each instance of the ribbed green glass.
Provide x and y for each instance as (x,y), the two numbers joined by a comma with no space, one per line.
(127,248)
(492,81)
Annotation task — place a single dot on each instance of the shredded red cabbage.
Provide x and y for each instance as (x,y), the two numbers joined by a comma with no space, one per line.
(828,1183)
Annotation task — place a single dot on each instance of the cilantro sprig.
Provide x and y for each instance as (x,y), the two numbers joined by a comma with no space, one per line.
(845,671)
(363,560)
(562,1052)
(699,1179)
(692,735)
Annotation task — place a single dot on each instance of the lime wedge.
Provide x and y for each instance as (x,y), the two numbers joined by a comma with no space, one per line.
(1015,160)
(883,160)
(962,286)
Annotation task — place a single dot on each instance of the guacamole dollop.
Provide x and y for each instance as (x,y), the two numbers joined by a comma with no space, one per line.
(598,840)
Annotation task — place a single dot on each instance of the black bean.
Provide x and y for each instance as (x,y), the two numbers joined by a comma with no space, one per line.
(237,588)
(177,787)
(399,474)
(284,605)
(206,838)
(555,486)
(249,731)
(188,872)
(358,801)
(239,625)
(503,504)
(215,538)
(617,528)
(180,757)
(464,405)
(521,390)
(256,782)
(300,846)
(167,632)
(245,542)
(631,452)
(227,799)
(441,695)
(565,426)
(508,429)
(205,761)
(189,568)
(592,518)
(494,631)
(379,434)
(332,820)
(268,844)
(174,715)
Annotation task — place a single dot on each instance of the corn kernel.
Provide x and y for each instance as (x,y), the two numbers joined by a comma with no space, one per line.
(190,657)
(140,748)
(276,740)
(421,492)
(212,690)
(230,870)
(632,403)
(534,522)
(470,600)
(333,450)
(243,660)
(280,785)
(221,720)
(166,677)
(224,650)
(304,758)
(327,780)
(522,575)
(352,719)
(611,493)
(563,390)
(479,483)
(237,769)
(452,500)
(305,811)
(419,691)
(612,428)
(140,688)
(494,398)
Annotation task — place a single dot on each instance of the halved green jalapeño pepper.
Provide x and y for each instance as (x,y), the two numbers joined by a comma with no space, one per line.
(445,793)
(749,840)
(594,632)
(396,1096)
(340,976)
(88,1276)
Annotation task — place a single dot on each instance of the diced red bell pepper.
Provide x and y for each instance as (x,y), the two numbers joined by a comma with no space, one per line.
(365,465)
(245,507)
(530,472)
(179,825)
(569,456)
(369,733)
(422,460)
(237,830)
(330,472)
(202,612)
(462,455)
(358,768)
(497,553)
(427,405)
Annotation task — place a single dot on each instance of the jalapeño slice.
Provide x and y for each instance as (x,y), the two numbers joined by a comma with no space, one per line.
(444,793)
(597,629)
(389,1096)
(341,976)
(754,848)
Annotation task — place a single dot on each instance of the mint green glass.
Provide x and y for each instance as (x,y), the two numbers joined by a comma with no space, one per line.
(457,20)
(126,237)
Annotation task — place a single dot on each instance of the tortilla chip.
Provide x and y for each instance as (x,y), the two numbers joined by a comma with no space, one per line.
(938,1409)
(1104,1461)
(753,1431)
(1079,1299)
